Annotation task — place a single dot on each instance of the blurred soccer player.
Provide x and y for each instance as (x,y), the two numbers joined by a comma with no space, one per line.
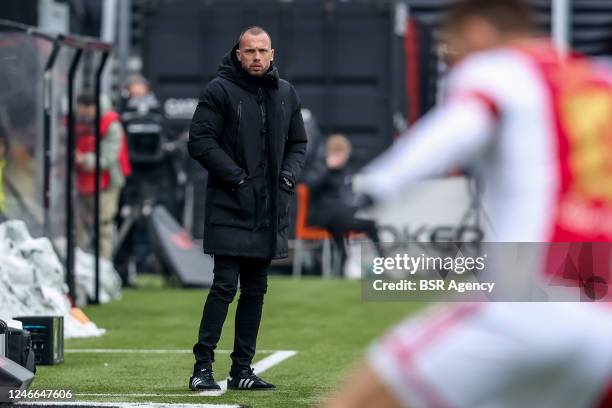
(537,129)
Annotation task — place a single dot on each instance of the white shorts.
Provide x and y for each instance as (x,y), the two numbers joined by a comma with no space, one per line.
(497,355)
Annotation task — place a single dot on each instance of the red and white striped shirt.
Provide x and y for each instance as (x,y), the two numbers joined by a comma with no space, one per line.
(537,130)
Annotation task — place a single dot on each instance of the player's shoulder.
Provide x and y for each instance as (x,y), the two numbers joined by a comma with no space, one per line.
(501,71)
(496,63)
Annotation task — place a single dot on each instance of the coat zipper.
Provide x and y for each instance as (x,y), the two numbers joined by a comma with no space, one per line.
(262,108)
(264,131)
(284,118)
(239,116)
(237,144)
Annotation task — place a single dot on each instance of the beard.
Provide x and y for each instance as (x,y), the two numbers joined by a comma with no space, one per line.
(259,73)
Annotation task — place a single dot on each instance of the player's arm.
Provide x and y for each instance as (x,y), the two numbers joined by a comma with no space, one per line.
(448,137)
(363,390)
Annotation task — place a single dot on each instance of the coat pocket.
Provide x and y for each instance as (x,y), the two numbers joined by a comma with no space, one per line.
(233,207)
(285,197)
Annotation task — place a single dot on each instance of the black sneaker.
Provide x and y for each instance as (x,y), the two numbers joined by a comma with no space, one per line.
(202,380)
(247,380)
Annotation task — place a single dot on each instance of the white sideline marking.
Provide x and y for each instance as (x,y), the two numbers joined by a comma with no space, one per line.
(141,395)
(259,367)
(126,404)
(276,358)
(150,351)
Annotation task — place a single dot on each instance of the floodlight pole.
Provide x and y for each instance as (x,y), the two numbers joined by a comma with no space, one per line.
(561,24)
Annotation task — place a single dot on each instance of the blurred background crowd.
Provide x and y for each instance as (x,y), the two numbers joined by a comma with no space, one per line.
(365,70)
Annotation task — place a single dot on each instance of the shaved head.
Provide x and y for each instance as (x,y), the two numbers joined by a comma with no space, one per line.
(254,31)
(255,52)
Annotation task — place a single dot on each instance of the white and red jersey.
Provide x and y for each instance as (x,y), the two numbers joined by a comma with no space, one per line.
(536,129)
(500,355)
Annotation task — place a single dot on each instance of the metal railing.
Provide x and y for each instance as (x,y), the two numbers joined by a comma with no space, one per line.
(80,45)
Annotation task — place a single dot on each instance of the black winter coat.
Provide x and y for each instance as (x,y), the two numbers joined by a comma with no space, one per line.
(247,127)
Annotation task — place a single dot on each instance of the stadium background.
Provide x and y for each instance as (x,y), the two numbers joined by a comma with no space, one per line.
(364,68)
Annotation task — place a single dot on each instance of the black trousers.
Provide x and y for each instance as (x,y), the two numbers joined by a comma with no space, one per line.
(338,220)
(253,275)
(339,228)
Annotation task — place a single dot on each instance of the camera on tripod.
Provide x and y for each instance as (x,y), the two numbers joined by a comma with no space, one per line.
(158,178)
(145,126)
(145,137)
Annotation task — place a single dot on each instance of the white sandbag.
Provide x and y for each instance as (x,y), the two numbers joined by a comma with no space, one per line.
(14,231)
(16,270)
(110,282)
(10,305)
(32,280)
(55,301)
(39,253)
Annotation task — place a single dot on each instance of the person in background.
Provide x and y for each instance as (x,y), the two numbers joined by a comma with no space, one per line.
(137,96)
(114,164)
(331,188)
(137,86)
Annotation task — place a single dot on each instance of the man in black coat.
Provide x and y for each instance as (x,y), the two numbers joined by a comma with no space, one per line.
(248,132)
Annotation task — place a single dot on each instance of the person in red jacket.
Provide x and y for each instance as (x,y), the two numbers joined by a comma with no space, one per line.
(115,167)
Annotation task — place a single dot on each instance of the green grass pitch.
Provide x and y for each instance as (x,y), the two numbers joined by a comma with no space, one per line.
(325,321)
